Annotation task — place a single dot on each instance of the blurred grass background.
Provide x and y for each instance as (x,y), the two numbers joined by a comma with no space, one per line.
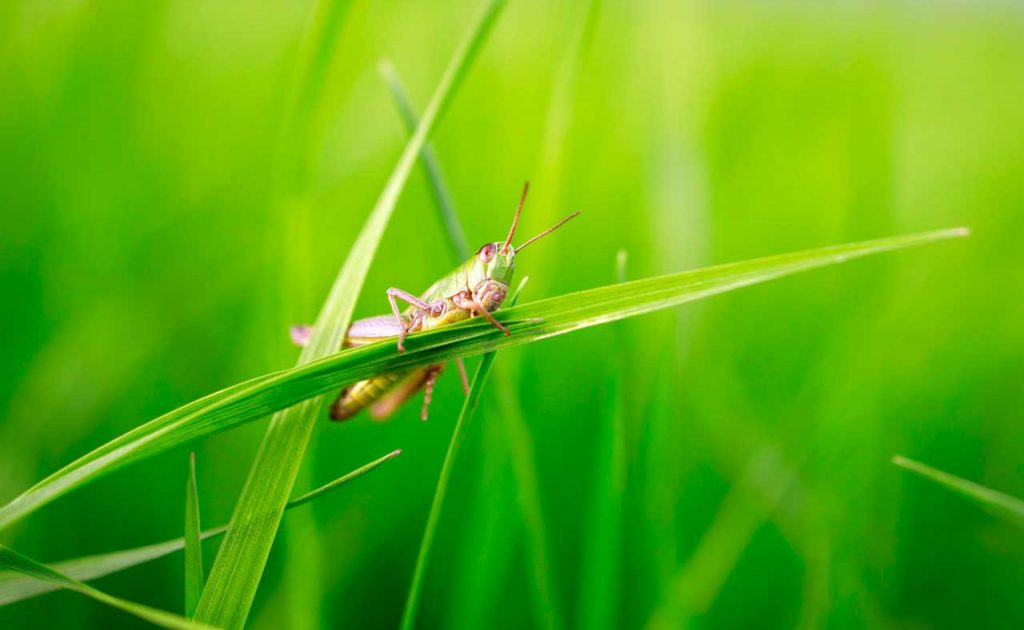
(143,263)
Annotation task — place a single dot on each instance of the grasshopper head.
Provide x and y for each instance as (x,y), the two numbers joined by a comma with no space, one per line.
(493,263)
(492,266)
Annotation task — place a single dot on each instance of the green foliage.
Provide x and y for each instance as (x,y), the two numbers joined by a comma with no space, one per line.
(181,185)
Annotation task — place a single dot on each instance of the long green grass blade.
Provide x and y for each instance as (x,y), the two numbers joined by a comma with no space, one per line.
(258,397)
(194,574)
(438,189)
(458,436)
(11,559)
(517,433)
(239,565)
(15,586)
(1009,507)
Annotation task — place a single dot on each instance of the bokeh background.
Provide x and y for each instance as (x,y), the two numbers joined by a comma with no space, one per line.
(722,464)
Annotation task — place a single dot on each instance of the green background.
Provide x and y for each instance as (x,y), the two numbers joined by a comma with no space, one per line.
(144,262)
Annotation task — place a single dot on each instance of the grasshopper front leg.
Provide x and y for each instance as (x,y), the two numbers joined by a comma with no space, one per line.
(465,300)
(397,294)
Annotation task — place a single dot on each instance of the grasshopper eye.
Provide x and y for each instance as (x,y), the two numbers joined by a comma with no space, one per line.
(486,253)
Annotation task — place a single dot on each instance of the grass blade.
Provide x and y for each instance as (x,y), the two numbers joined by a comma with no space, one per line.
(430,532)
(600,583)
(1006,506)
(438,189)
(11,559)
(239,565)
(458,435)
(194,574)
(530,322)
(15,586)
(517,440)
(358,472)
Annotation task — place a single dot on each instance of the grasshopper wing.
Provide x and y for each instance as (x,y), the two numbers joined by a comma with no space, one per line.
(364,331)
(361,331)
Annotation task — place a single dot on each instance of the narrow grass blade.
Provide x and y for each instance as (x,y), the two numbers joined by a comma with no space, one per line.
(258,397)
(600,576)
(10,559)
(239,565)
(458,435)
(15,587)
(431,166)
(195,577)
(358,472)
(430,532)
(1006,506)
(517,440)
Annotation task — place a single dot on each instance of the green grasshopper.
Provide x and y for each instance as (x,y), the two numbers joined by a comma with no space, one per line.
(477,287)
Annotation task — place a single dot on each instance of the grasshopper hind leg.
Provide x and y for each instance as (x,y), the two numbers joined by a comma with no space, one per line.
(391,401)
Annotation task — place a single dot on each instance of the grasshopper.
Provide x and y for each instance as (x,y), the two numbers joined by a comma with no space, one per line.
(476,288)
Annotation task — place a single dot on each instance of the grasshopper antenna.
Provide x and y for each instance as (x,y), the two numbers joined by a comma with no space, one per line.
(515,219)
(549,230)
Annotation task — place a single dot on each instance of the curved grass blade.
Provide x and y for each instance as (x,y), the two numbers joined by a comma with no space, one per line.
(11,559)
(517,434)
(194,575)
(1006,506)
(239,565)
(15,587)
(458,436)
(528,323)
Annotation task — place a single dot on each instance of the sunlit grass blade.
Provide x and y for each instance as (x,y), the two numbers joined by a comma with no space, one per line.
(239,565)
(10,559)
(16,586)
(1009,507)
(458,435)
(528,323)
(438,188)
(517,440)
(194,574)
